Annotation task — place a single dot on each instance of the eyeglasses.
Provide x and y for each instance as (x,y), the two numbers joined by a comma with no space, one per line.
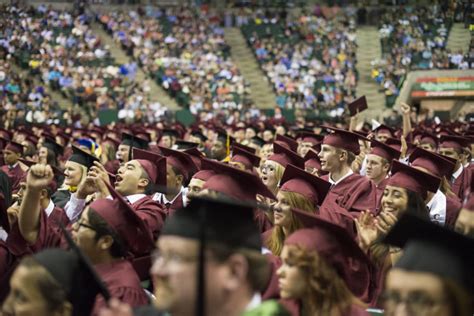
(175,258)
(80,223)
(417,303)
(266,168)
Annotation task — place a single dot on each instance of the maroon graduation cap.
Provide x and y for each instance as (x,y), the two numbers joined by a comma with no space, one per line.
(235,183)
(181,161)
(383,150)
(285,156)
(343,139)
(384,129)
(123,219)
(433,163)
(336,247)
(246,158)
(153,164)
(357,106)
(311,187)
(456,142)
(286,142)
(412,179)
(14,147)
(246,148)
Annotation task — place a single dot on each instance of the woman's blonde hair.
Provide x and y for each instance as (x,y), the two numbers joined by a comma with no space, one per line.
(277,237)
(83,179)
(279,170)
(326,290)
(108,153)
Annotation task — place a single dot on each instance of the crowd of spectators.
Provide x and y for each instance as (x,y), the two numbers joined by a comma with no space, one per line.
(415,38)
(61,49)
(184,50)
(309,58)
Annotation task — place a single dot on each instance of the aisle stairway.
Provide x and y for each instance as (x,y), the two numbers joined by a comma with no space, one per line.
(459,38)
(158,94)
(261,91)
(369,48)
(56,96)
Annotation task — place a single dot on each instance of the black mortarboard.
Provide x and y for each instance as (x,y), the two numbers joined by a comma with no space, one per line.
(222,136)
(51,144)
(222,220)
(82,157)
(198,133)
(258,141)
(227,221)
(170,132)
(184,145)
(134,141)
(430,248)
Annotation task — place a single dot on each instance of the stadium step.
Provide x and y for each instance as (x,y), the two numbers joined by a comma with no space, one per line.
(369,48)
(459,38)
(261,91)
(56,97)
(157,93)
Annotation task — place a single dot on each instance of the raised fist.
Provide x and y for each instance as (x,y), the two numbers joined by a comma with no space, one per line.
(39,177)
(405,108)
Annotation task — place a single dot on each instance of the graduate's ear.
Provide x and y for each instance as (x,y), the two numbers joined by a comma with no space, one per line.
(143,183)
(238,268)
(342,155)
(386,167)
(105,242)
(179,179)
(44,194)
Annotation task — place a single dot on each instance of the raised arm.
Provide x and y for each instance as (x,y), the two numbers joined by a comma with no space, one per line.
(38,179)
(406,110)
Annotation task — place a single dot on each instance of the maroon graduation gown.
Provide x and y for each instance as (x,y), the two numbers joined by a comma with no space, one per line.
(340,216)
(122,283)
(453,207)
(262,221)
(176,205)
(380,188)
(272,290)
(355,193)
(119,277)
(58,216)
(153,214)
(462,185)
(15,175)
